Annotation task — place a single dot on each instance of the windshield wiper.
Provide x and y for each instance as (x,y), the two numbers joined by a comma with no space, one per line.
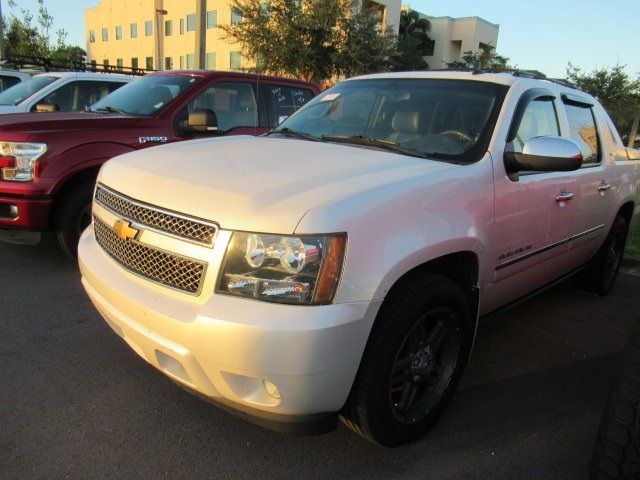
(375,142)
(287,132)
(110,109)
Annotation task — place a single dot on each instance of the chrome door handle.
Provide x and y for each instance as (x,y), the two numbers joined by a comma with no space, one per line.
(564,197)
(604,187)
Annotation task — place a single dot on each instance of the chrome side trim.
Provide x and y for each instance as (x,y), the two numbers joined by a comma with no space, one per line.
(549,247)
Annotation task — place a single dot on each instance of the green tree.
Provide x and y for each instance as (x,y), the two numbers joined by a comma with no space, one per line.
(413,42)
(29,37)
(486,59)
(617,92)
(314,40)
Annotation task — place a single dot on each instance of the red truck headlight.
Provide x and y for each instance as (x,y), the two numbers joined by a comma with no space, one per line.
(18,160)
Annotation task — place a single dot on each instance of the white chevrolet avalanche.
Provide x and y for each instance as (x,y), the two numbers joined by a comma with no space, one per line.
(337,266)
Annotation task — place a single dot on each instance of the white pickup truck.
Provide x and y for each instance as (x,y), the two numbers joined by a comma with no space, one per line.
(337,266)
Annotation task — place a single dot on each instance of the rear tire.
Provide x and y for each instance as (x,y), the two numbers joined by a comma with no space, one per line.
(600,274)
(73,215)
(617,451)
(413,361)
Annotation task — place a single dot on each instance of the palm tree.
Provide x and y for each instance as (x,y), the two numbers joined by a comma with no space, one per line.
(413,41)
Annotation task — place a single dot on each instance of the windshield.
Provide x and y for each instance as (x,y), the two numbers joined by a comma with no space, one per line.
(146,96)
(21,91)
(442,119)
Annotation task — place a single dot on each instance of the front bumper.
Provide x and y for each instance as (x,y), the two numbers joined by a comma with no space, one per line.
(32,213)
(225,348)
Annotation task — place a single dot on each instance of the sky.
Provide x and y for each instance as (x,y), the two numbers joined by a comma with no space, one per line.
(535,34)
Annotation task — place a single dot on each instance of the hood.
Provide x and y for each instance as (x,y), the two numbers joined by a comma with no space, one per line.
(48,122)
(260,184)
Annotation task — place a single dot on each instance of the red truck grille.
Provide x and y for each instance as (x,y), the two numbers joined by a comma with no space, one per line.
(168,269)
(190,229)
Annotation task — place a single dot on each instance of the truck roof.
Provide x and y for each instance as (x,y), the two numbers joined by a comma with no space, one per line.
(82,75)
(218,73)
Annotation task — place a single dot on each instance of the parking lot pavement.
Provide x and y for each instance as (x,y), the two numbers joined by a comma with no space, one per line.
(76,402)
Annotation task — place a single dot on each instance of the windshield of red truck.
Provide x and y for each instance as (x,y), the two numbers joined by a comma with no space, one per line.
(146,96)
(441,119)
(21,91)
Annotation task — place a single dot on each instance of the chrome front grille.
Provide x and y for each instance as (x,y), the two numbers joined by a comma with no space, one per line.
(190,229)
(168,269)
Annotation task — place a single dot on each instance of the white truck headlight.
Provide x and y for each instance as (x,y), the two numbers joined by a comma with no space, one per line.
(280,268)
(18,160)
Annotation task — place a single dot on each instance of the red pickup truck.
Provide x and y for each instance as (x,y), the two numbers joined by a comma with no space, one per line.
(49,161)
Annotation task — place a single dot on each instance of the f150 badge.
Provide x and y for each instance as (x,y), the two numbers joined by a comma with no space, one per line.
(152,139)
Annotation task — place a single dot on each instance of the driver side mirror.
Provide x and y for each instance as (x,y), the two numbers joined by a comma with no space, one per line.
(202,121)
(545,154)
(47,107)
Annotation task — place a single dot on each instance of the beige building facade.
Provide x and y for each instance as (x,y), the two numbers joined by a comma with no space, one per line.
(160,34)
(454,36)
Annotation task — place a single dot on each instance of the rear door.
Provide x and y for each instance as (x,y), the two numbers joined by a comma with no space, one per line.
(283,100)
(594,204)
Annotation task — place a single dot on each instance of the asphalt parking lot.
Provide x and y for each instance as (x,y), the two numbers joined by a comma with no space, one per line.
(76,402)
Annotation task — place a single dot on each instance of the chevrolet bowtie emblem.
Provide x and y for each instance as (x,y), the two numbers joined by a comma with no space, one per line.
(124,230)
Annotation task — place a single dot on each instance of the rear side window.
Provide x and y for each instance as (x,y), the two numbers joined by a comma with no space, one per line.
(283,101)
(7,81)
(584,132)
(539,120)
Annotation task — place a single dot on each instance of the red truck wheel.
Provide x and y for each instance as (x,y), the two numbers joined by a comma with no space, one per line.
(73,215)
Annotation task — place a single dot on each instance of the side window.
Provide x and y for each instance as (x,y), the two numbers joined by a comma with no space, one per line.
(89,92)
(62,98)
(234,103)
(283,101)
(7,81)
(539,120)
(584,132)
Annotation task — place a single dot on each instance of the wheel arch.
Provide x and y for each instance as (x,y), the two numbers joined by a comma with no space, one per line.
(88,174)
(626,211)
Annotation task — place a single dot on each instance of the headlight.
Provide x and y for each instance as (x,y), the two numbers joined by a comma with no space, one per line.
(18,160)
(285,269)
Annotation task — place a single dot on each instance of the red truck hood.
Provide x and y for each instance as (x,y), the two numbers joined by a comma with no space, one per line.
(45,122)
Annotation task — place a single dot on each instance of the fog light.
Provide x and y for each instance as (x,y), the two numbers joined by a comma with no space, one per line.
(271,389)
(8,211)
(13,210)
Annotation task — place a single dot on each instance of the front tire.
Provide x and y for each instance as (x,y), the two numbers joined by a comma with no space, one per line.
(413,361)
(73,215)
(600,274)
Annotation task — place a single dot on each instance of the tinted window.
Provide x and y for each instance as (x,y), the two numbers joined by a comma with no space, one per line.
(233,103)
(283,101)
(538,120)
(584,132)
(7,81)
(21,91)
(447,119)
(78,96)
(147,95)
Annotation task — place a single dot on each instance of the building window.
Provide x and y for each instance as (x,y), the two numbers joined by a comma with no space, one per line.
(149,63)
(148,28)
(191,61)
(236,16)
(211,61)
(134,62)
(212,19)
(182,26)
(430,50)
(235,61)
(119,62)
(105,62)
(181,62)
(119,32)
(134,30)
(168,28)
(191,22)
(168,63)
(92,36)
(105,34)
